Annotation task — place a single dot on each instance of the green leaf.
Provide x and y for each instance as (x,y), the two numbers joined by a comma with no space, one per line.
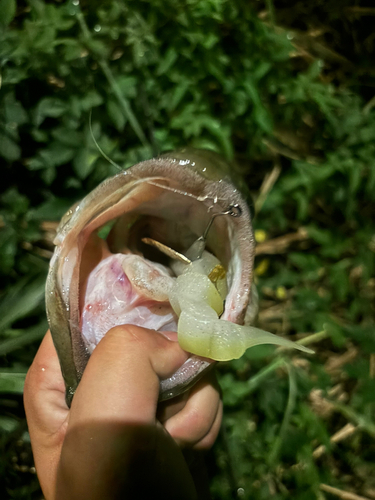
(336,334)
(84,162)
(127,85)
(20,300)
(7,11)
(263,119)
(12,382)
(178,94)
(39,136)
(22,338)
(116,114)
(72,50)
(8,424)
(52,209)
(9,149)
(97,47)
(321,236)
(36,164)
(16,202)
(8,249)
(48,175)
(168,60)
(49,107)
(14,111)
(90,100)
(67,136)
(57,154)
(13,76)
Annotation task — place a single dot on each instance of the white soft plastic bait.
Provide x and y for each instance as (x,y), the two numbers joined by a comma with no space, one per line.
(198,303)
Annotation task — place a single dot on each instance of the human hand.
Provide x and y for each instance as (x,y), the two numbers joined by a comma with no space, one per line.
(115,441)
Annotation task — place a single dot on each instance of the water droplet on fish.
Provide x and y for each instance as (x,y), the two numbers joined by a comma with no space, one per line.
(184,162)
(97,28)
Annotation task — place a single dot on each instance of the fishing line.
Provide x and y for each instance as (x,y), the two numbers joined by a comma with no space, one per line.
(148,181)
(153,183)
(196,250)
(114,164)
(233,210)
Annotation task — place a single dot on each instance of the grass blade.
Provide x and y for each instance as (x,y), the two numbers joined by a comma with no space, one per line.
(20,300)
(21,338)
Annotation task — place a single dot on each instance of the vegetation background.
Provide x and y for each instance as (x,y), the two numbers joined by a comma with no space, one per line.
(284,89)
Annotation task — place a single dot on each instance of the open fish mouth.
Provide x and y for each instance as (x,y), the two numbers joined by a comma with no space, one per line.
(96,283)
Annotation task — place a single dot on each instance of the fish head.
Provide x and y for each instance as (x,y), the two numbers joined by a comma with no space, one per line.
(171,199)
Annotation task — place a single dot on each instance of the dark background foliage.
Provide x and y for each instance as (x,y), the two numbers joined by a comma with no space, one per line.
(284,90)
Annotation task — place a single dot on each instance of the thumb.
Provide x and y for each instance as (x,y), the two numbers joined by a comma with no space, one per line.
(121,379)
(114,447)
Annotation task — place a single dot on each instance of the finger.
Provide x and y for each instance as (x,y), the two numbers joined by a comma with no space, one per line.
(44,391)
(209,439)
(46,412)
(121,379)
(199,421)
(167,409)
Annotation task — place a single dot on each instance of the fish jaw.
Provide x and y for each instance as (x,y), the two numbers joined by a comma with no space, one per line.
(174,192)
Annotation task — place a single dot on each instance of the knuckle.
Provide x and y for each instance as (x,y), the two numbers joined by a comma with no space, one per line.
(124,335)
(193,428)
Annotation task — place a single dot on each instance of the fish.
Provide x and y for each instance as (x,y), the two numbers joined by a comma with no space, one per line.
(110,267)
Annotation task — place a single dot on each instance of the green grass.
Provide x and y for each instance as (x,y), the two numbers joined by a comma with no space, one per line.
(254,83)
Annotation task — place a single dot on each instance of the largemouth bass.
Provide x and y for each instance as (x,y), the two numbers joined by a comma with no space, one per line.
(95,284)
